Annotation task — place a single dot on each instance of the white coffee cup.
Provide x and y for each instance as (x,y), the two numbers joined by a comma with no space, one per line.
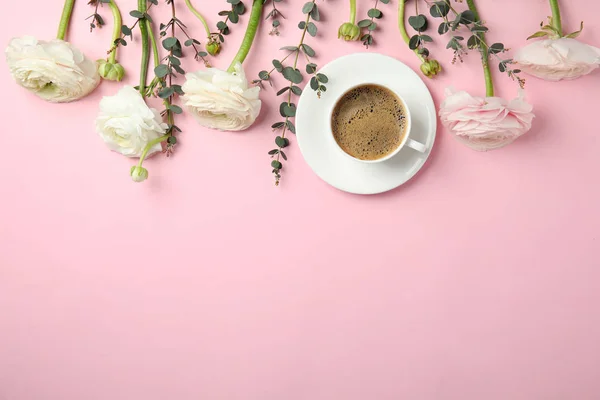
(406,140)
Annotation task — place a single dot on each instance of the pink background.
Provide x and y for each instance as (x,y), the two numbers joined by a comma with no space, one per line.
(477,280)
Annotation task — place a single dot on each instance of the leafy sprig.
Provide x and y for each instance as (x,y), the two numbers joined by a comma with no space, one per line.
(274,15)
(127,31)
(476,40)
(237,8)
(96,18)
(292,74)
(369,23)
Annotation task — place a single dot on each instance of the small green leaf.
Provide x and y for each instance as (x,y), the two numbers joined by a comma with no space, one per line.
(292,74)
(314,14)
(126,31)
(273,152)
(289,48)
(283,154)
(439,9)
(290,126)
(301,24)
(496,48)
(419,22)
(276,164)
(467,17)
(169,43)
(221,25)
(472,42)
(364,23)
(308,7)
(137,14)
(278,66)
(372,26)
(374,13)
(414,42)
(308,50)
(314,83)
(281,142)
(311,68)
(282,91)
(175,109)
(538,34)
(264,75)
(443,28)
(278,125)
(311,29)
(234,17)
(161,70)
(322,78)
(296,90)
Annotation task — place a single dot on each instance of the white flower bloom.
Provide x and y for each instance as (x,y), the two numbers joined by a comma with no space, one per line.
(56,71)
(485,123)
(127,124)
(556,59)
(220,99)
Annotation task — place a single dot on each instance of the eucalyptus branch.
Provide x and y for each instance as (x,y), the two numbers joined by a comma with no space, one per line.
(127,31)
(292,74)
(237,8)
(96,18)
(369,23)
(274,14)
(470,19)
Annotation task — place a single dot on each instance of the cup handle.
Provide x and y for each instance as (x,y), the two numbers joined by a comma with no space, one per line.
(413,144)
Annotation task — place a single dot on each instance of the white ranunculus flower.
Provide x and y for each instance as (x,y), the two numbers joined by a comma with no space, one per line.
(556,59)
(56,71)
(127,124)
(221,100)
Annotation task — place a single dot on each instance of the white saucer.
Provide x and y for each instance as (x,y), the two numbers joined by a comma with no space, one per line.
(318,148)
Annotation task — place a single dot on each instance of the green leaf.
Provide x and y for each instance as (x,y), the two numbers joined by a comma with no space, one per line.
(296,90)
(363,23)
(202,54)
(314,83)
(423,51)
(496,48)
(573,35)
(426,38)
(538,34)
(161,70)
(190,42)
(479,28)
(289,48)
(221,25)
(502,67)
(175,109)
(174,60)
(273,152)
(264,75)
(443,28)
(136,14)
(374,13)
(166,92)
(314,14)
(239,8)
(126,31)
(472,42)
(414,42)
(385,1)
(308,50)
(419,22)
(311,68)
(287,110)
(282,91)
(322,78)
(278,125)
(172,140)
(308,7)
(311,29)
(169,43)
(467,17)
(292,74)
(290,126)
(372,26)
(281,142)
(276,164)
(283,154)
(234,2)
(234,17)
(439,9)
(301,24)
(278,66)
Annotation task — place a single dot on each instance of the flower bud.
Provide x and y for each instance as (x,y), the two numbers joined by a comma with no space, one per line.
(430,68)
(111,71)
(139,174)
(349,31)
(213,48)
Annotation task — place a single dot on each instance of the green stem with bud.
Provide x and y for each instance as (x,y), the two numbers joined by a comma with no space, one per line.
(352,11)
(150,145)
(253,23)
(402,27)
(65,18)
(199,16)
(556,21)
(145,49)
(487,72)
(118,21)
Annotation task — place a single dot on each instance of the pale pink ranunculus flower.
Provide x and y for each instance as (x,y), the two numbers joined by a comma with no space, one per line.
(485,123)
(556,59)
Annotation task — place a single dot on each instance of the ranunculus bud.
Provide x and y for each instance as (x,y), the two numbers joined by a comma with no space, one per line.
(430,68)
(349,31)
(111,71)
(139,174)
(213,48)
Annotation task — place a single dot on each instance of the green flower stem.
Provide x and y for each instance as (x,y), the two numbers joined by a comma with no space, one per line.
(199,16)
(112,58)
(487,72)
(352,11)
(556,21)
(249,36)
(402,27)
(145,49)
(64,19)
(151,145)
(153,44)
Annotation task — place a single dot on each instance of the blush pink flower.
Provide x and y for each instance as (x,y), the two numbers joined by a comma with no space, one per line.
(485,123)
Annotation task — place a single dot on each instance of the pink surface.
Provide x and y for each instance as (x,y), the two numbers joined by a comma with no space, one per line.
(477,280)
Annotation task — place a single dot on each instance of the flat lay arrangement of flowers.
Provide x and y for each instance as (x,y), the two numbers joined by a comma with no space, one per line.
(177,72)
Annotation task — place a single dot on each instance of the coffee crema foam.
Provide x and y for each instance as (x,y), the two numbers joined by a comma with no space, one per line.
(369,122)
